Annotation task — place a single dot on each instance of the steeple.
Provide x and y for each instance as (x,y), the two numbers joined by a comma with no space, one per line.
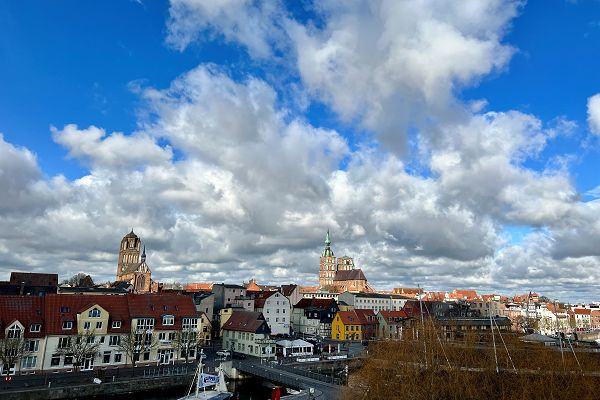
(144,254)
(327,252)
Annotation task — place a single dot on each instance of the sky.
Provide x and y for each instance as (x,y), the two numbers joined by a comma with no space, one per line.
(443,144)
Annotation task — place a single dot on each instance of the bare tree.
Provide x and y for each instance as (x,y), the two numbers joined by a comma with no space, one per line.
(186,341)
(80,347)
(12,350)
(135,344)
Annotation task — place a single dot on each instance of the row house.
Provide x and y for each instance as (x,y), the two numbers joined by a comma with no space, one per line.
(276,309)
(314,316)
(21,323)
(357,324)
(374,301)
(248,333)
(89,331)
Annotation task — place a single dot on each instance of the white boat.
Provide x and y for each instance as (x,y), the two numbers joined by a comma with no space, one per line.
(208,386)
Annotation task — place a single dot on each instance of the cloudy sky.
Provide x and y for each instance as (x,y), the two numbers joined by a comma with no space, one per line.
(446,144)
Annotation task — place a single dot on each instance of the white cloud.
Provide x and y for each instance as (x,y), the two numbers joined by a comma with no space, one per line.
(253,24)
(593,113)
(116,150)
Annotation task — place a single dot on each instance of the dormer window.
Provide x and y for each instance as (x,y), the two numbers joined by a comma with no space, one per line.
(67,325)
(116,324)
(168,320)
(14,332)
(94,313)
(35,328)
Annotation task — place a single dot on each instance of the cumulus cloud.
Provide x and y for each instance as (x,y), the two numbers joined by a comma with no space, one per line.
(115,150)
(223,183)
(252,24)
(593,113)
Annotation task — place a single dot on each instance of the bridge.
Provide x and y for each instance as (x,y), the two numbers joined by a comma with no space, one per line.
(325,387)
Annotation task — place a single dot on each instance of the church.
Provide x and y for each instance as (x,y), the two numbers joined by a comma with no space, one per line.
(132,267)
(339,274)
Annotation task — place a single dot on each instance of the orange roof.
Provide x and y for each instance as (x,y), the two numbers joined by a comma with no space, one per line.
(463,294)
(198,287)
(251,285)
(308,289)
(582,311)
(435,296)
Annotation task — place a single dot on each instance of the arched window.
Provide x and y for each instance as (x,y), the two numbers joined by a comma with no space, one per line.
(95,313)
(14,332)
(141,282)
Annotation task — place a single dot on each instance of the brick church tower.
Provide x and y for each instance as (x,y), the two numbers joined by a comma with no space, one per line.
(327,264)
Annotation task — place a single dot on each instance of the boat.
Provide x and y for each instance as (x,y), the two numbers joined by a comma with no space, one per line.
(217,387)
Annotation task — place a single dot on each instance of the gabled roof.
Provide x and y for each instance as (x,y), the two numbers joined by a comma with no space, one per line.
(25,309)
(315,303)
(351,275)
(61,308)
(358,317)
(198,287)
(287,290)
(582,311)
(247,321)
(393,316)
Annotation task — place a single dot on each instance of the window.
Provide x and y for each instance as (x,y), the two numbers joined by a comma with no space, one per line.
(68,359)
(116,324)
(94,313)
(118,357)
(189,323)
(99,325)
(91,339)
(114,340)
(106,357)
(67,325)
(32,345)
(55,360)
(29,362)
(145,323)
(14,332)
(168,320)
(87,325)
(64,309)
(35,328)
(146,356)
(64,342)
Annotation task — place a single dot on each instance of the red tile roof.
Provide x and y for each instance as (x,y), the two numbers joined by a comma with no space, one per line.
(198,287)
(247,321)
(315,303)
(393,316)
(357,317)
(25,309)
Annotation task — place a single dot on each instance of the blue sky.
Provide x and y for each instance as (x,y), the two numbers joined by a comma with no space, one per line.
(343,98)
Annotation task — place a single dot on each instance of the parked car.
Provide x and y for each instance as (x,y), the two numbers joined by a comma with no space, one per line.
(224,353)
(238,356)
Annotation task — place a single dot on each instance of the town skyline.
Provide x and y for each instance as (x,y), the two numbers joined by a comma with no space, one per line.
(442,145)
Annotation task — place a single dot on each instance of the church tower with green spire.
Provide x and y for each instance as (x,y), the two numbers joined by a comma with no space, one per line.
(327,264)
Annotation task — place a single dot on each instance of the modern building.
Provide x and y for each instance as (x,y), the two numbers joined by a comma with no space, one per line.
(374,301)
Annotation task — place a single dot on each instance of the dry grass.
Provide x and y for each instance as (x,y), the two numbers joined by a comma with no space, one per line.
(423,368)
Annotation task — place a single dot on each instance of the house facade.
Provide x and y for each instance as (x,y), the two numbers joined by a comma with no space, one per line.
(248,333)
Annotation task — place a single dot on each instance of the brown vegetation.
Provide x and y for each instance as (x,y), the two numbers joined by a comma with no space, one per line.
(432,367)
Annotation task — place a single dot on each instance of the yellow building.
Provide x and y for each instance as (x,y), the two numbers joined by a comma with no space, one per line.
(354,325)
